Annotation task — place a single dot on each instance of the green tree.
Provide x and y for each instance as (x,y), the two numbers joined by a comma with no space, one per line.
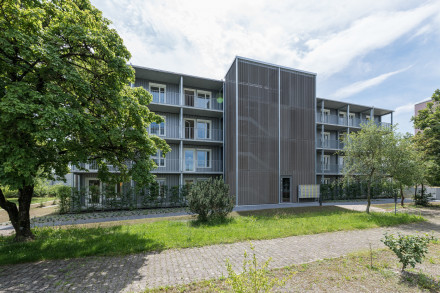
(65,96)
(403,164)
(428,140)
(366,155)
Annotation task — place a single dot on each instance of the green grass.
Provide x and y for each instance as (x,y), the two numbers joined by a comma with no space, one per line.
(35,200)
(58,243)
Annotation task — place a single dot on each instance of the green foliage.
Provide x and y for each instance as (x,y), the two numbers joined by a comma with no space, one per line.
(409,249)
(210,199)
(65,96)
(356,189)
(8,192)
(421,198)
(64,196)
(254,278)
(428,140)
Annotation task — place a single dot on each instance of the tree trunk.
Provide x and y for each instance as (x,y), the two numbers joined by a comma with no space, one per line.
(401,196)
(368,196)
(20,217)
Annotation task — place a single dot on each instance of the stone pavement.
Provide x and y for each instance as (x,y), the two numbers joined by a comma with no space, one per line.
(137,272)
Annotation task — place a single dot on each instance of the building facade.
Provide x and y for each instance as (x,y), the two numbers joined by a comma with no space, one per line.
(262,129)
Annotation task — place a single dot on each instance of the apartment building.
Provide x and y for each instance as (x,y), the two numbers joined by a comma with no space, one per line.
(334,121)
(262,129)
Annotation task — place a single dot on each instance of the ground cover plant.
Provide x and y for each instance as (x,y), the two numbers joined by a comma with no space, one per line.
(351,273)
(59,243)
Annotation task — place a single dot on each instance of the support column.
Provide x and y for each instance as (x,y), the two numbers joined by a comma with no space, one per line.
(279,134)
(391,118)
(181,103)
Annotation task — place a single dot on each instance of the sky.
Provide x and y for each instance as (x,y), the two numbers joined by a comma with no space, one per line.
(384,53)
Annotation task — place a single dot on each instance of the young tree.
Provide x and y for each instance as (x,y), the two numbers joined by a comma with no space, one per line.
(403,163)
(365,154)
(428,140)
(65,96)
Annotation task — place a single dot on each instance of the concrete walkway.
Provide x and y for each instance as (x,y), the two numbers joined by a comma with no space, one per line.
(178,266)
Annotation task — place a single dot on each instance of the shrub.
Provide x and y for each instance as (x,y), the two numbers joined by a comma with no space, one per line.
(410,249)
(210,199)
(63,194)
(254,278)
(421,198)
(9,193)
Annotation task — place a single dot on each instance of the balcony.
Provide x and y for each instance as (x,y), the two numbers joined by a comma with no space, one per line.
(342,121)
(91,167)
(329,144)
(329,168)
(198,103)
(205,134)
(190,166)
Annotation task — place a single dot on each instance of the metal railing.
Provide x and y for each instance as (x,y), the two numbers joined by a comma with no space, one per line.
(330,144)
(203,134)
(92,166)
(353,122)
(329,168)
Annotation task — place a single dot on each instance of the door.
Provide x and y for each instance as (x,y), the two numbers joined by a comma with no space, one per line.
(94,190)
(326,141)
(325,116)
(343,118)
(285,189)
(189,129)
(189,159)
(326,163)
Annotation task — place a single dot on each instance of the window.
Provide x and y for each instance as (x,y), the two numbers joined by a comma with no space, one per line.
(189,97)
(203,99)
(203,158)
(326,141)
(159,159)
(326,162)
(189,159)
(158,91)
(326,115)
(202,179)
(203,129)
(326,181)
(342,118)
(341,161)
(158,129)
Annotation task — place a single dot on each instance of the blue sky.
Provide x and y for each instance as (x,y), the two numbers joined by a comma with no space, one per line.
(377,53)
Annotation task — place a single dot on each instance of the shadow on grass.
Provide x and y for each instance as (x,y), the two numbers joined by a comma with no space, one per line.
(280,212)
(216,222)
(420,280)
(59,243)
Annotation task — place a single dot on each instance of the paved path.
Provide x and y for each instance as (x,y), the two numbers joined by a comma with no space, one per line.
(177,266)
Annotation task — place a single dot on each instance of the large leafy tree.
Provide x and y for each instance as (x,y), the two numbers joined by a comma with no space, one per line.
(428,140)
(65,96)
(366,155)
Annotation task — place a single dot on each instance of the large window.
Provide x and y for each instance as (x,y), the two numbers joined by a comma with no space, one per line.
(159,159)
(158,129)
(197,158)
(158,91)
(189,159)
(203,129)
(203,100)
(203,158)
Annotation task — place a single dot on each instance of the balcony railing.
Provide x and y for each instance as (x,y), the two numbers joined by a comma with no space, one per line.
(330,144)
(173,98)
(353,122)
(190,165)
(203,134)
(91,167)
(329,168)
(170,98)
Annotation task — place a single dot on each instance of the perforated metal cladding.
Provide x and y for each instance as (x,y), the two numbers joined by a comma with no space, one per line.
(230,130)
(269,120)
(297,128)
(257,133)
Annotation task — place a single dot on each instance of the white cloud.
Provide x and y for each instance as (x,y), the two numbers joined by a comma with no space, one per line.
(359,86)
(405,109)
(203,37)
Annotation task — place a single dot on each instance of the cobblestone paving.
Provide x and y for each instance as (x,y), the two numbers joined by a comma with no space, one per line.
(177,266)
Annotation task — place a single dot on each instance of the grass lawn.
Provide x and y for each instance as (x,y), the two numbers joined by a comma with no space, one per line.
(351,273)
(60,243)
(49,200)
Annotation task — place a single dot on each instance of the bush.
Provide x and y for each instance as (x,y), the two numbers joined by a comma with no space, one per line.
(63,194)
(410,249)
(9,193)
(421,198)
(210,199)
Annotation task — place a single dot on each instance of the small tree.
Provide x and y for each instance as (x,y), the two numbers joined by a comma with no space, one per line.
(210,199)
(410,249)
(366,155)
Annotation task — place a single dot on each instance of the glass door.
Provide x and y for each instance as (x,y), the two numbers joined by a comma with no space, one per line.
(189,129)
(285,189)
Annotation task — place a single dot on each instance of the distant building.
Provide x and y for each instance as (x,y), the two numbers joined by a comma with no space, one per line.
(418,107)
